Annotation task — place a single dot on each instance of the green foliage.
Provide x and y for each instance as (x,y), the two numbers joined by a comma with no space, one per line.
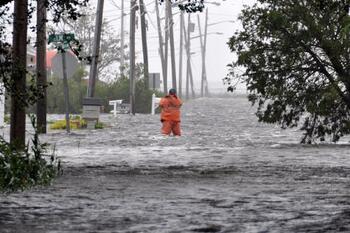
(118,89)
(13,65)
(143,97)
(7,119)
(77,91)
(74,124)
(190,6)
(21,169)
(65,8)
(296,64)
(8,63)
(83,28)
(99,125)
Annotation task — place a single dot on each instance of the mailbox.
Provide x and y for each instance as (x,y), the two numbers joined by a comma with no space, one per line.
(91,111)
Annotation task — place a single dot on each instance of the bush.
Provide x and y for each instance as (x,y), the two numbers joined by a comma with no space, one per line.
(7,119)
(112,90)
(21,169)
(76,122)
(99,125)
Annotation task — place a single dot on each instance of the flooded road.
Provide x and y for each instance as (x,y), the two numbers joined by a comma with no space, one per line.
(227,173)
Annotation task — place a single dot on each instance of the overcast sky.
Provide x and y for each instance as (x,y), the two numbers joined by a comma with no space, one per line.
(218,54)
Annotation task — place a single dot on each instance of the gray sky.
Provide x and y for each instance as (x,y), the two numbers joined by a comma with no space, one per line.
(218,54)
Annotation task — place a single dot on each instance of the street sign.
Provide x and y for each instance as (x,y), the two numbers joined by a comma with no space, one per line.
(61,38)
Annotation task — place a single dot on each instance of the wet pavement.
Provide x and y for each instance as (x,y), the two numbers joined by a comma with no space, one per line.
(227,173)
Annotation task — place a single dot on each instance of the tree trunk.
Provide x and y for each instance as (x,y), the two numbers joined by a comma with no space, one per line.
(41,65)
(144,43)
(17,129)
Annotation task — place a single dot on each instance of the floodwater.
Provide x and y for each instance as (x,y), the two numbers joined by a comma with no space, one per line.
(227,173)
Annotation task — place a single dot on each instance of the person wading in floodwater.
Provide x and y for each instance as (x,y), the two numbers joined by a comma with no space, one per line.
(170,115)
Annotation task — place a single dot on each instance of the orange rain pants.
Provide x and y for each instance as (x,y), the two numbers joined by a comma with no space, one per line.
(171,127)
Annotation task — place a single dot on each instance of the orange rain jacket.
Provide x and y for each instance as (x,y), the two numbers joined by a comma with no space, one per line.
(170,105)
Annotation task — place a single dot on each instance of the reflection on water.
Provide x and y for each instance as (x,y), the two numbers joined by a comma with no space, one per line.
(227,173)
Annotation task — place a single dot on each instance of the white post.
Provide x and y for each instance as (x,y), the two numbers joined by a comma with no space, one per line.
(115,108)
(153,103)
(2,105)
(115,104)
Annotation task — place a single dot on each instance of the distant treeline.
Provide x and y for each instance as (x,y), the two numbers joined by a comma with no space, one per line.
(117,89)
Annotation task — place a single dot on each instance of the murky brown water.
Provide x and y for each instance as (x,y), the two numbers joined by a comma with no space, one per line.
(227,173)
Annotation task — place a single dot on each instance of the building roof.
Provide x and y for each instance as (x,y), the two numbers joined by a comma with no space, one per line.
(49,55)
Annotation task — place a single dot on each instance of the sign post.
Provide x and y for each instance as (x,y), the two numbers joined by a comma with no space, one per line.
(62,42)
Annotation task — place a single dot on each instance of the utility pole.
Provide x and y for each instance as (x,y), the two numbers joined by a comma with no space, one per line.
(191,80)
(132,56)
(41,74)
(19,54)
(188,51)
(96,49)
(122,65)
(203,56)
(181,51)
(189,75)
(205,81)
(65,89)
(144,43)
(172,46)
(161,52)
(201,42)
(166,32)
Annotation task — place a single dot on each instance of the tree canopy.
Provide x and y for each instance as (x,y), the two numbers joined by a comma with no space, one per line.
(296,60)
(84,29)
(190,6)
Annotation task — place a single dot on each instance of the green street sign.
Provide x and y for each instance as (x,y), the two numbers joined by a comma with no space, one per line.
(68,37)
(62,38)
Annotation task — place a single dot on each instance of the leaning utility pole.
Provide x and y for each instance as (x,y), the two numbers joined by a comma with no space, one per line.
(166,32)
(144,43)
(96,49)
(19,55)
(122,65)
(172,46)
(161,52)
(132,56)
(41,74)
(181,51)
